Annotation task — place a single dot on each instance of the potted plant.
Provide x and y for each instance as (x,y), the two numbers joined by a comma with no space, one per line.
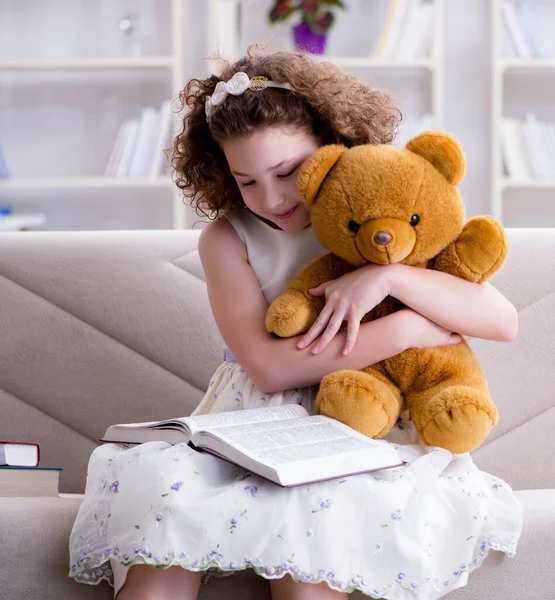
(317,18)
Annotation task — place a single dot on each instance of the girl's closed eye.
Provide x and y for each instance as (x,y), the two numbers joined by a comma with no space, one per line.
(285,175)
(247,184)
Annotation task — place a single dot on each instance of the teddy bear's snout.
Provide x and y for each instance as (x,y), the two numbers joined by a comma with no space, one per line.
(382,238)
(385,240)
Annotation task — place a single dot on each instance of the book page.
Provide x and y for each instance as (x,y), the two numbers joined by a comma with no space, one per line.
(293,440)
(238,419)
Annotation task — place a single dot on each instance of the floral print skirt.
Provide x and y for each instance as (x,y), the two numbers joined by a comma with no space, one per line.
(412,532)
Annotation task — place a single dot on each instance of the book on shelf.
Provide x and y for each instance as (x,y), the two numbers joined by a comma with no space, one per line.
(407,31)
(283,443)
(528,148)
(138,149)
(29,481)
(19,454)
(4,173)
(521,29)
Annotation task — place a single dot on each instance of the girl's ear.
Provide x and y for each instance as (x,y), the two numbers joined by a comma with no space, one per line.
(443,151)
(314,171)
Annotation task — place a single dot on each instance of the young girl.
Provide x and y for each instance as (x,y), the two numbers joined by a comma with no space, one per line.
(412,532)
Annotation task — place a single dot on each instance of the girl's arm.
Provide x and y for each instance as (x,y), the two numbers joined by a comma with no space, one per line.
(471,309)
(239,308)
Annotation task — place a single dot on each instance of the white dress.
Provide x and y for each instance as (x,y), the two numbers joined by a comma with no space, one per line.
(415,532)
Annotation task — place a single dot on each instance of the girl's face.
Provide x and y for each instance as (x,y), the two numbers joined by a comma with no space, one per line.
(265,165)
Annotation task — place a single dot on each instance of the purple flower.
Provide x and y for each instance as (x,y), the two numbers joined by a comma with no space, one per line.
(270,570)
(401,576)
(342,585)
(182,555)
(251,490)
(396,515)
(321,573)
(232,565)
(114,487)
(483,547)
(456,572)
(220,557)
(326,503)
(116,551)
(175,459)
(196,563)
(331,575)
(126,557)
(414,585)
(159,518)
(74,567)
(309,533)
(363,582)
(378,547)
(176,486)
(233,521)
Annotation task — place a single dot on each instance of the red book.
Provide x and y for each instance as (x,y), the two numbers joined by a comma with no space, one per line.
(19,454)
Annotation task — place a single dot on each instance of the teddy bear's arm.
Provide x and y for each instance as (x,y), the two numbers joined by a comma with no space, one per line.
(477,254)
(295,310)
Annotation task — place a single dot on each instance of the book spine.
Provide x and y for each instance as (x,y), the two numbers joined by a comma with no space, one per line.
(4,174)
(529,28)
(164,139)
(117,150)
(514,29)
(127,154)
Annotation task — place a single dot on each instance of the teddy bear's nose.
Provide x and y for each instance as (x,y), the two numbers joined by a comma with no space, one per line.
(382,238)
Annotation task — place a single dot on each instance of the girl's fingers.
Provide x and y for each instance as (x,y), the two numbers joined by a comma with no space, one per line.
(333,327)
(352,334)
(317,327)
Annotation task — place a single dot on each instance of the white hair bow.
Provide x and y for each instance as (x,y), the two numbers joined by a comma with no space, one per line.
(236,86)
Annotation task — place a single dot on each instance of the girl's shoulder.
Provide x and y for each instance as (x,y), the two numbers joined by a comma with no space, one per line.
(219,237)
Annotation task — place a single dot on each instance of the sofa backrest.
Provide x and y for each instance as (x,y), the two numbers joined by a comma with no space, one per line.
(114,327)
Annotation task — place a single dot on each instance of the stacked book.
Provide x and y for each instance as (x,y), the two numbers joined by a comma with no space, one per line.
(20,474)
(522,30)
(528,148)
(138,150)
(407,31)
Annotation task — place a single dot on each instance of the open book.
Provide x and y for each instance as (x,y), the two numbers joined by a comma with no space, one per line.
(282,443)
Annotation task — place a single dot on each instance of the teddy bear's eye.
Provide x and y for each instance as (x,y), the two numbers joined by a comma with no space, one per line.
(354,226)
(414,220)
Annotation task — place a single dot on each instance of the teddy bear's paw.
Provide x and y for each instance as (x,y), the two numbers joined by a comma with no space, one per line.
(458,419)
(360,401)
(289,315)
(482,246)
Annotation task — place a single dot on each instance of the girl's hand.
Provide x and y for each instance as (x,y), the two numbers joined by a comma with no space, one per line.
(420,332)
(348,299)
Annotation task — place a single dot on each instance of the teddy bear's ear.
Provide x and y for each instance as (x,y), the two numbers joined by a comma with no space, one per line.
(314,170)
(443,151)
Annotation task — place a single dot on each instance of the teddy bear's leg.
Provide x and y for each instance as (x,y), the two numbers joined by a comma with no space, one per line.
(364,400)
(453,416)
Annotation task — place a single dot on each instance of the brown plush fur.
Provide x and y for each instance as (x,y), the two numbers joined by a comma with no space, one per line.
(380,188)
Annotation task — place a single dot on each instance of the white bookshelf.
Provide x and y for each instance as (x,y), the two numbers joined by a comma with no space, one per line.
(530,73)
(424,71)
(130,74)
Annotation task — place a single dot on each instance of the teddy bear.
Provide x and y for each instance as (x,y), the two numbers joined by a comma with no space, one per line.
(384,204)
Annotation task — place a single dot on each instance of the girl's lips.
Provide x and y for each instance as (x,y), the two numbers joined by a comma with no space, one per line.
(287,214)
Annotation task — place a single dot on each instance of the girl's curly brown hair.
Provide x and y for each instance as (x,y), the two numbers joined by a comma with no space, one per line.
(326,102)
